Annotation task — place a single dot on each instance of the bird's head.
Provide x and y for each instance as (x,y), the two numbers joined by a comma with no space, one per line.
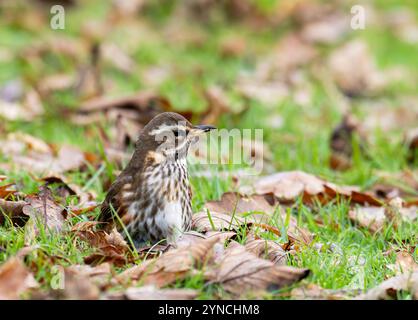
(168,136)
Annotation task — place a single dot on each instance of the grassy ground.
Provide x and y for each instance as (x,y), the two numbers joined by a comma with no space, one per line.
(350,258)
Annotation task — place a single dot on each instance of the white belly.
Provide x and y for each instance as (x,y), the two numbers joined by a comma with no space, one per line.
(170,220)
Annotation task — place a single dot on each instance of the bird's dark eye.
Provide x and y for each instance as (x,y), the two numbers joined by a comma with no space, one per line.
(180,133)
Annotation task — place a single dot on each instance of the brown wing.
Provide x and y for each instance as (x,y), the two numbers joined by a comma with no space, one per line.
(113,200)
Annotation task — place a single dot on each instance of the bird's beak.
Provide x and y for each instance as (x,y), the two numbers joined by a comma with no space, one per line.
(202,128)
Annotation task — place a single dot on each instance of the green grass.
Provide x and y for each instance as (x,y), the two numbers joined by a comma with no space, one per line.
(300,144)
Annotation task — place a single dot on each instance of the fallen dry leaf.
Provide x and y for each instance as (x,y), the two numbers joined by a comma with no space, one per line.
(99,275)
(17,142)
(173,265)
(389,289)
(64,189)
(328,29)
(191,237)
(77,286)
(355,71)
(278,76)
(110,247)
(232,202)
(15,279)
(269,93)
(240,271)
(155,75)
(233,46)
(383,116)
(215,221)
(83,208)
(33,154)
(267,249)
(57,44)
(12,210)
(55,82)
(231,213)
(404,24)
(42,210)
(406,181)
(125,9)
(404,263)
(296,235)
(386,191)
(127,115)
(27,109)
(6,191)
(141,107)
(288,185)
(374,218)
(292,52)
(113,54)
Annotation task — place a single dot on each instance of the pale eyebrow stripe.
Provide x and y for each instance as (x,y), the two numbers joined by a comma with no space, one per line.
(164,128)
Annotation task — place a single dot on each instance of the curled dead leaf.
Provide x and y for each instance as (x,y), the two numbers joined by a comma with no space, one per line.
(374,218)
(404,263)
(267,249)
(240,271)
(12,210)
(389,288)
(6,191)
(42,210)
(63,188)
(110,247)
(173,265)
(289,185)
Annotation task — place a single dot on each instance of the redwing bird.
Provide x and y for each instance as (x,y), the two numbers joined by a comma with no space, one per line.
(151,198)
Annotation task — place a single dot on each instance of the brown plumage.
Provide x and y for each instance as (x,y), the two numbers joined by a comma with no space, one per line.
(152,195)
